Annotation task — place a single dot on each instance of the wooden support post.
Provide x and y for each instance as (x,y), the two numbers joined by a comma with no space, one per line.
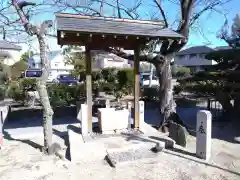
(136,88)
(89,87)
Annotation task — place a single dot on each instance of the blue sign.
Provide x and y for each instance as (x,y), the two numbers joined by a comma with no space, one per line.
(33,73)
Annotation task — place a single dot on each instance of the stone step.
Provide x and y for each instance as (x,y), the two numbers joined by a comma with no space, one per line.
(143,151)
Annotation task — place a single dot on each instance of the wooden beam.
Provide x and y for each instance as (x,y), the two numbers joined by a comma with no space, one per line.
(136,88)
(101,41)
(89,86)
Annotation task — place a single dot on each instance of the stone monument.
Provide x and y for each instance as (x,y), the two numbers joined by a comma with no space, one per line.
(129,106)
(84,119)
(141,115)
(203,134)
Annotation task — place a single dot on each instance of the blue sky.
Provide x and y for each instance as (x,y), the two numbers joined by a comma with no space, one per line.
(205,32)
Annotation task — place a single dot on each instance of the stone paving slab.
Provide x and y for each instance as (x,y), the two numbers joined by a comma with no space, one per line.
(119,157)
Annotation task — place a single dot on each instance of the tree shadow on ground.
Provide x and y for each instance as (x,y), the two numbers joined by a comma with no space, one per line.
(178,152)
(182,153)
(32,117)
(25,141)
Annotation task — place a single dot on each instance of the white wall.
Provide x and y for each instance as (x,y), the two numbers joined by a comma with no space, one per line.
(193,60)
(109,62)
(58,66)
(15,56)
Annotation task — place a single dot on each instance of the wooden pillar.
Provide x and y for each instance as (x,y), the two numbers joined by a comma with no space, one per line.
(136,88)
(89,86)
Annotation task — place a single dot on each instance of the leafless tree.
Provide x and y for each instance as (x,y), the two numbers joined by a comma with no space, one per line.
(40,33)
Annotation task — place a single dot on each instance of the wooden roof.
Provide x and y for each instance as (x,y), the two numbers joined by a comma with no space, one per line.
(89,25)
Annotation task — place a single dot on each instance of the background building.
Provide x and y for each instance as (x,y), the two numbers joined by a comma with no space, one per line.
(194,58)
(9,53)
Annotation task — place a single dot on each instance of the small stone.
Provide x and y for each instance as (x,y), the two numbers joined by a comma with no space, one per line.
(158,148)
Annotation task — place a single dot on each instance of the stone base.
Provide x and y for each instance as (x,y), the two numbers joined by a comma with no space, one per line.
(119,148)
(81,151)
(121,157)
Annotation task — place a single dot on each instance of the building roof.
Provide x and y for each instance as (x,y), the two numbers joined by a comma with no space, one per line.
(7,45)
(195,50)
(112,26)
(222,48)
(111,56)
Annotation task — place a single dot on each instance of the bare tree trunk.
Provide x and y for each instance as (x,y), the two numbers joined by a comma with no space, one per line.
(47,116)
(167,103)
(43,94)
(40,32)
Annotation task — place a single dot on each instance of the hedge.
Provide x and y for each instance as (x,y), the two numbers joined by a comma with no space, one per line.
(111,81)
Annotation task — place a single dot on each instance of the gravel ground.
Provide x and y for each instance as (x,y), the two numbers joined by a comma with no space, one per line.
(20,161)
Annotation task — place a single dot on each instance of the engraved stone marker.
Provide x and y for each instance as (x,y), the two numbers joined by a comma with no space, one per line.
(129,115)
(203,134)
(141,115)
(84,119)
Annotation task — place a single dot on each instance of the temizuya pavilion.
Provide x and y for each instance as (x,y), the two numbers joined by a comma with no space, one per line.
(99,33)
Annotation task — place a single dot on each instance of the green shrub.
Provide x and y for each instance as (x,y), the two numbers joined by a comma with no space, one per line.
(3,78)
(2,92)
(177,89)
(181,71)
(12,88)
(16,93)
(18,68)
(150,93)
(109,74)
(96,75)
(64,95)
(125,78)
(28,84)
(185,102)
(107,87)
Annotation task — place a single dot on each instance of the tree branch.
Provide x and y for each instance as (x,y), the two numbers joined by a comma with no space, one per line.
(162,12)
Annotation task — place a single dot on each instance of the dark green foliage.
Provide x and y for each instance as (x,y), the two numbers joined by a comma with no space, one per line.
(150,93)
(63,95)
(28,84)
(107,87)
(178,71)
(118,83)
(18,68)
(185,102)
(177,89)
(25,56)
(96,75)
(125,78)
(16,92)
(3,77)
(109,74)
(220,81)
(2,92)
